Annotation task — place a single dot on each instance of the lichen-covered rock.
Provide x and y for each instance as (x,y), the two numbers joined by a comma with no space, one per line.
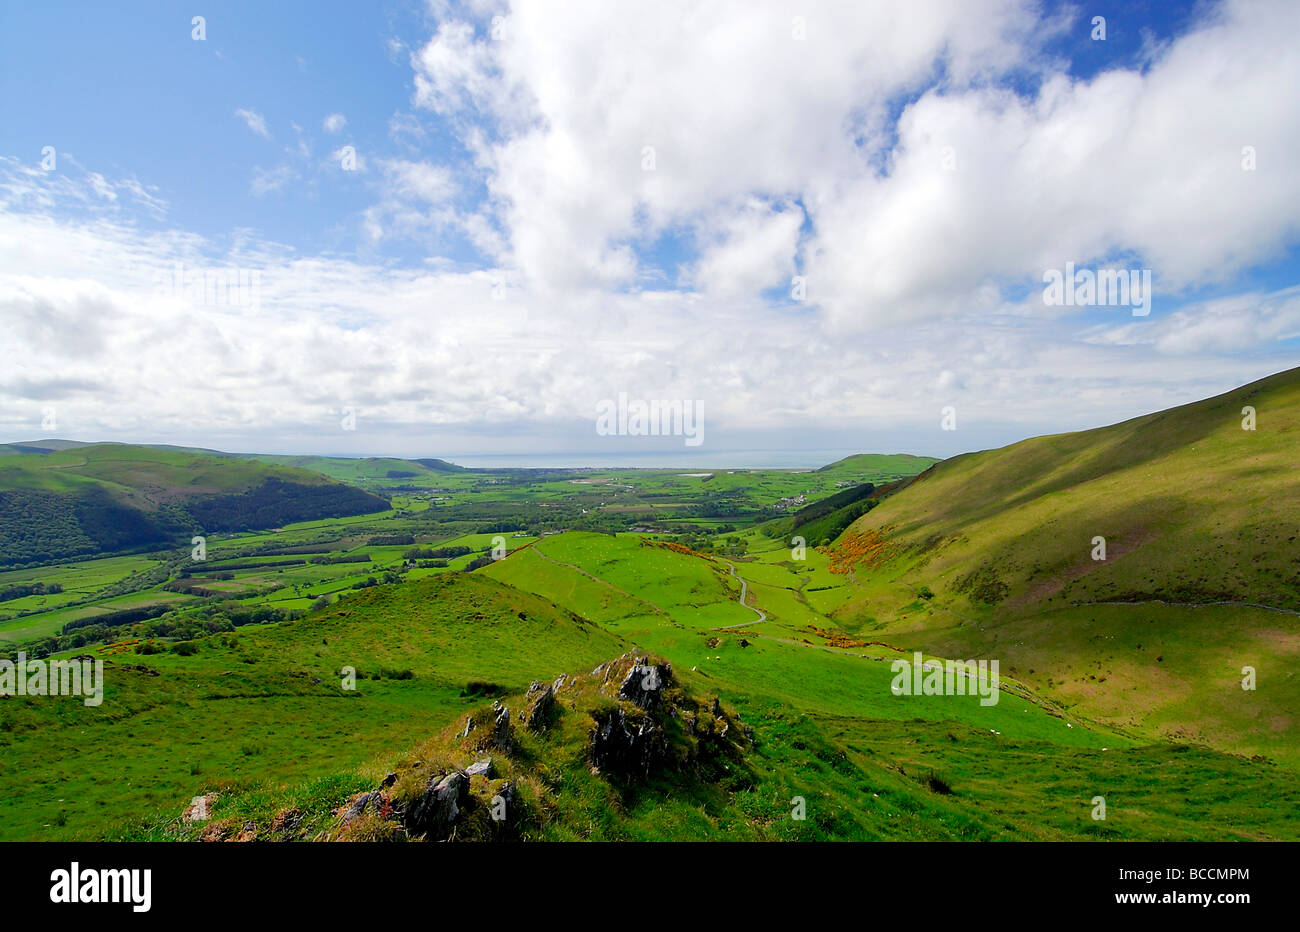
(287,824)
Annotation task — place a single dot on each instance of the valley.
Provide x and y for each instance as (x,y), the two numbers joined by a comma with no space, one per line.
(293,669)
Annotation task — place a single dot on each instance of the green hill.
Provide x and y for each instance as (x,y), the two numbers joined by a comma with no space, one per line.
(874,465)
(1199,577)
(360,469)
(100,498)
(266,703)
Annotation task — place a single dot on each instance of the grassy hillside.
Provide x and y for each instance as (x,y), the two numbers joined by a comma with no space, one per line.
(702,770)
(267,703)
(1199,578)
(110,497)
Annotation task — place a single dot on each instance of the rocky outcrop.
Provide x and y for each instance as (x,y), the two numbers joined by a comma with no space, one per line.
(626,745)
(501,737)
(433,813)
(657,726)
(481,780)
(489,729)
(645,683)
(540,707)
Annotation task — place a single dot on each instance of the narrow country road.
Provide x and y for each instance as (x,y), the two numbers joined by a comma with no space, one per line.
(744,587)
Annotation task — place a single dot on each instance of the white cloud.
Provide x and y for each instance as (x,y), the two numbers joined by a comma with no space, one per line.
(451,361)
(737,110)
(772,156)
(255,121)
(1231,324)
(267,181)
(335,122)
(418,180)
(749,250)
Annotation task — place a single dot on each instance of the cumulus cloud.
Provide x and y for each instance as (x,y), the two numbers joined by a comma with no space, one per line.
(973,185)
(335,122)
(643,182)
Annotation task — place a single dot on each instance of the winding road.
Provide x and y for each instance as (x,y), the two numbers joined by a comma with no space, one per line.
(744,587)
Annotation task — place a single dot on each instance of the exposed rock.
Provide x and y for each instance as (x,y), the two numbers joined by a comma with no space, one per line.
(480,768)
(620,745)
(359,806)
(502,738)
(199,809)
(216,832)
(389,779)
(539,707)
(645,683)
(434,813)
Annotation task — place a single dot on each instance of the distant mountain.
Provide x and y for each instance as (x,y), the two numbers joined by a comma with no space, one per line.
(359,469)
(94,498)
(40,446)
(896,464)
(440,465)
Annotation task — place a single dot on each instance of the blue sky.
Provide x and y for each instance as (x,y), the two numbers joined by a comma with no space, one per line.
(501,259)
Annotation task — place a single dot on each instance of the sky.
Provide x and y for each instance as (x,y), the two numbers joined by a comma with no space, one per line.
(456,230)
